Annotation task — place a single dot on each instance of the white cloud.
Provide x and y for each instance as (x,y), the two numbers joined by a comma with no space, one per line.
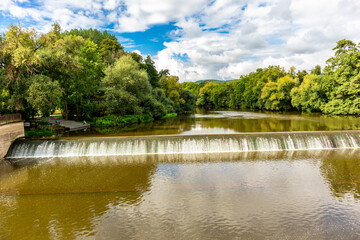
(215,38)
(282,32)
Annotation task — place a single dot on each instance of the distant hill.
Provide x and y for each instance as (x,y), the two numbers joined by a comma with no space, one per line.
(213,80)
(209,80)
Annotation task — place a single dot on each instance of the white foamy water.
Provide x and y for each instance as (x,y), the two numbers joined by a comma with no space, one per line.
(186,144)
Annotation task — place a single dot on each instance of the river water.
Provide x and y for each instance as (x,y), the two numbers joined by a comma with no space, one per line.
(308,190)
(227,122)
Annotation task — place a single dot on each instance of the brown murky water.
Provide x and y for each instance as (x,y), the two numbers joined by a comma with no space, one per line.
(255,195)
(240,195)
(225,122)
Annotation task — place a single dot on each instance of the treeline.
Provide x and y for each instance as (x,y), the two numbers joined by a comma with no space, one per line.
(335,90)
(85,73)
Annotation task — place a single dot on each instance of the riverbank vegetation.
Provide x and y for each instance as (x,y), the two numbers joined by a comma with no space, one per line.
(86,74)
(335,90)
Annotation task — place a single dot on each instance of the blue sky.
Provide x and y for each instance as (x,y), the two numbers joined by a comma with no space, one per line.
(202,39)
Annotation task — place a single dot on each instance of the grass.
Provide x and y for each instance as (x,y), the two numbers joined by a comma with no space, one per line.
(169,115)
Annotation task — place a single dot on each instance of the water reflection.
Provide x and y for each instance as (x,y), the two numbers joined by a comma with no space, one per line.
(233,121)
(205,196)
(343,175)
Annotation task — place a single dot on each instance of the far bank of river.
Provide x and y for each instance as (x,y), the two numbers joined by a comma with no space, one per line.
(226,122)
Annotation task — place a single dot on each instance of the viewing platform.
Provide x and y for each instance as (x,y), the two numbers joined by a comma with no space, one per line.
(69,124)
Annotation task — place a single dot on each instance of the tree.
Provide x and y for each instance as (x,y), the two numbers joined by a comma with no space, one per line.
(61,62)
(276,95)
(316,70)
(19,59)
(44,94)
(4,95)
(164,72)
(110,50)
(173,89)
(310,95)
(126,87)
(257,82)
(343,79)
(204,96)
(93,34)
(152,72)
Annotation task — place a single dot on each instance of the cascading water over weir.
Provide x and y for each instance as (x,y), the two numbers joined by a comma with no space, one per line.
(184,144)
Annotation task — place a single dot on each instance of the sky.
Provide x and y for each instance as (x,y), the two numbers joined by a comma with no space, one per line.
(205,39)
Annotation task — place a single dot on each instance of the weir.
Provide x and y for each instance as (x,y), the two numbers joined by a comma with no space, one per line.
(185,144)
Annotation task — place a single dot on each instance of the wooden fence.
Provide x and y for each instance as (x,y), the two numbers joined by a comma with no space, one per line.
(10,117)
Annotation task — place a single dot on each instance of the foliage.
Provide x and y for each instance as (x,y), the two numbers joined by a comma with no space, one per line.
(86,74)
(126,86)
(39,129)
(152,72)
(309,96)
(276,95)
(173,89)
(169,115)
(121,121)
(343,78)
(43,94)
(92,34)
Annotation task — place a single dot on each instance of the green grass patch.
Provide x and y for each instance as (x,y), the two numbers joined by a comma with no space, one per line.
(169,115)
(38,133)
(121,121)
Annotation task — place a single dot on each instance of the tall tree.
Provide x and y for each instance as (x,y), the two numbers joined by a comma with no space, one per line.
(276,95)
(152,72)
(126,87)
(343,79)
(20,59)
(44,94)
(310,95)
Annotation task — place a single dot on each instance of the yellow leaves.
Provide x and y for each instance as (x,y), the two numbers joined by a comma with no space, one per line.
(272,97)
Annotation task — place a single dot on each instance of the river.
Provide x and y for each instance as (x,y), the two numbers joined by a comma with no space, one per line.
(208,176)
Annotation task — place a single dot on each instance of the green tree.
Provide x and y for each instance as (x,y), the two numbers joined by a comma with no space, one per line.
(310,95)
(164,72)
(110,50)
(61,62)
(20,58)
(276,95)
(316,70)
(173,89)
(93,34)
(43,94)
(204,96)
(152,72)
(126,87)
(343,79)
(191,86)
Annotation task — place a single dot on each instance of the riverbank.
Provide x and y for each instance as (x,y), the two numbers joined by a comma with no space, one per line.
(52,128)
(221,122)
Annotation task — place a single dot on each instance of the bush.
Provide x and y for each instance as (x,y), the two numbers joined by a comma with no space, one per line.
(41,129)
(169,115)
(121,121)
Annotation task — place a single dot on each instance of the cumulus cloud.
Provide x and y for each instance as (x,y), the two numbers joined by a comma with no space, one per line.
(258,34)
(220,39)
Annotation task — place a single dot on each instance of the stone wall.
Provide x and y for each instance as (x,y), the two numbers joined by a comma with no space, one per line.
(8,133)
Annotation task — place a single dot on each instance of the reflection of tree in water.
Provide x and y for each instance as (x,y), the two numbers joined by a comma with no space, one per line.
(160,127)
(64,197)
(342,172)
(273,124)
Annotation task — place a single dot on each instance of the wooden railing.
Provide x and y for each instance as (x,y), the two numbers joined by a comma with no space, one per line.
(10,118)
